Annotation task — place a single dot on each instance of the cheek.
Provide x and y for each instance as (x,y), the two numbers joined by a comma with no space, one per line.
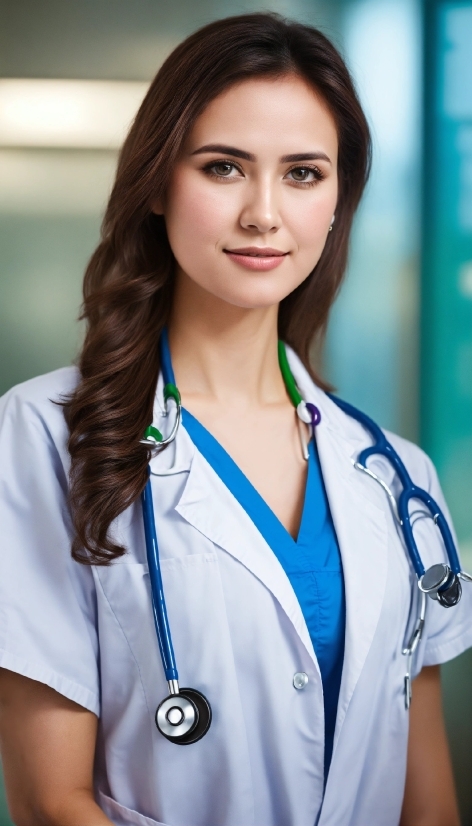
(196,215)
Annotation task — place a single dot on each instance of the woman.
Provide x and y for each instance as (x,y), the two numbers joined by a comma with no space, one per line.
(288,588)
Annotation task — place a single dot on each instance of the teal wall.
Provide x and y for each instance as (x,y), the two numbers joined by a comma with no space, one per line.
(399,343)
(446,321)
(446,314)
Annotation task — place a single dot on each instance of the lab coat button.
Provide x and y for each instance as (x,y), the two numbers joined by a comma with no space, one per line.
(300,680)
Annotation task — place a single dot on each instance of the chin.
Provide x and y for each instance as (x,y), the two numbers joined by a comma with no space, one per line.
(251,291)
(253,299)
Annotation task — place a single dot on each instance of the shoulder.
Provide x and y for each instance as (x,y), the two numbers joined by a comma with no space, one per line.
(42,393)
(56,383)
(33,408)
(47,600)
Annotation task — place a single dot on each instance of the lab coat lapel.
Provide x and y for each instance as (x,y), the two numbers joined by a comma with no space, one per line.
(358,508)
(208,505)
(360,525)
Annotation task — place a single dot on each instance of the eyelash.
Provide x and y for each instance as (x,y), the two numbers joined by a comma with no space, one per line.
(319,175)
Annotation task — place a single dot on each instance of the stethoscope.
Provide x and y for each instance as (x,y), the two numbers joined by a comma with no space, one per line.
(441,581)
(184,716)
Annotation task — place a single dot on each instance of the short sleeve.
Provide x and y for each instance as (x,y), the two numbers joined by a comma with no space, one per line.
(47,600)
(448,631)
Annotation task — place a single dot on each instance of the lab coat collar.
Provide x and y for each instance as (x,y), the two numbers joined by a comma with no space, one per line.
(358,509)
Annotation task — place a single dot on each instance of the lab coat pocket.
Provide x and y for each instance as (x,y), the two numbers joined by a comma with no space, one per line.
(129,648)
(121,816)
(192,589)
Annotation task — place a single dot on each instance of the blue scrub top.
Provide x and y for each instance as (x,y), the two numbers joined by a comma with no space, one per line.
(312,562)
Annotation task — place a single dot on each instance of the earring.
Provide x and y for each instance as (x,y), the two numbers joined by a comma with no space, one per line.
(331,224)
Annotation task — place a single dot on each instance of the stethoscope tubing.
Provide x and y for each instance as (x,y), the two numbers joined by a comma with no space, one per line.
(413,492)
(381,446)
(158,599)
(410,491)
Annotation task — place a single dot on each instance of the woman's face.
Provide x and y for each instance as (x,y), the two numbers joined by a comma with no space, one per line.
(252,196)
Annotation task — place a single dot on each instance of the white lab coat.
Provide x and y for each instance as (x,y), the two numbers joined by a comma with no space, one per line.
(238,631)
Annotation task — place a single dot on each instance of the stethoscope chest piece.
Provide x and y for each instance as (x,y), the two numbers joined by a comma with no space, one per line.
(440,583)
(185,717)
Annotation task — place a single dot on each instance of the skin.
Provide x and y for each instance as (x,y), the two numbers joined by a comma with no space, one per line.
(223,329)
(223,338)
(430,798)
(48,746)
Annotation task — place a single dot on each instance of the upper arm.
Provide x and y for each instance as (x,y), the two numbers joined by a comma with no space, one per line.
(49,682)
(48,617)
(48,748)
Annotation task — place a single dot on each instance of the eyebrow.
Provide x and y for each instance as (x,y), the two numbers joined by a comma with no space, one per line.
(248,156)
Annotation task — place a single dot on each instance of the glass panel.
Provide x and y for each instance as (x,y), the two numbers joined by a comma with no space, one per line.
(372,342)
(446,360)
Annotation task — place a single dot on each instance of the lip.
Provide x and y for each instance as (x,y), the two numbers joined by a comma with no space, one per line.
(260,252)
(257,258)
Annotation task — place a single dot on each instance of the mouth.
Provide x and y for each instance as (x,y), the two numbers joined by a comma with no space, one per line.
(259,259)
(257,252)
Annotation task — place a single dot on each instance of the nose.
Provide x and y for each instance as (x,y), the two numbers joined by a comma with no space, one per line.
(260,212)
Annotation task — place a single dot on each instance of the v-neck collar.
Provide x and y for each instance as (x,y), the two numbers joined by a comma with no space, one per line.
(266,521)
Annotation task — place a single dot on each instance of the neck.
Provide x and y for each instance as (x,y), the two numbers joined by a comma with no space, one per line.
(225,353)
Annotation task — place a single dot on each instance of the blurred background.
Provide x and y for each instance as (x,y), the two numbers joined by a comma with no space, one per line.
(400,340)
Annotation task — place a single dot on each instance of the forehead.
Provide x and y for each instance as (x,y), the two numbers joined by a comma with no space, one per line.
(282,114)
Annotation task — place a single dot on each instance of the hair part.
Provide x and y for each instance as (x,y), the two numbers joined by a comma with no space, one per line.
(128,283)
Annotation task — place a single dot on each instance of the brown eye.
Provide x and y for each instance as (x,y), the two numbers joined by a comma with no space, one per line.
(223,168)
(301,174)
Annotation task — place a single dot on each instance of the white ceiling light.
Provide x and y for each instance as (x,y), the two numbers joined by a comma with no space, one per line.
(67,113)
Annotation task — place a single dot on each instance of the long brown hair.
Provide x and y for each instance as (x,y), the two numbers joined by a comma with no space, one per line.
(128,282)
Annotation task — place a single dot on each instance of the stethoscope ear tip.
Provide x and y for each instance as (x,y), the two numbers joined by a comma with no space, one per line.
(303,412)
